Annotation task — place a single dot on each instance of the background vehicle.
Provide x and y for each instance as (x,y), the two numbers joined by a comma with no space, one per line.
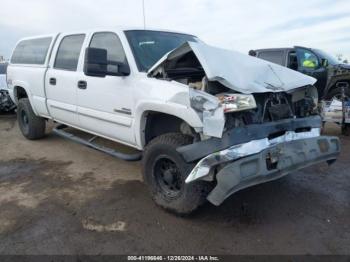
(314,62)
(6,104)
(209,121)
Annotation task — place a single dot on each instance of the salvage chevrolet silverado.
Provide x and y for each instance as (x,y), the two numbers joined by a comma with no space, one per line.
(209,121)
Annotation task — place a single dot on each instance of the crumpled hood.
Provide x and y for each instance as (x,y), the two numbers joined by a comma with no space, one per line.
(237,71)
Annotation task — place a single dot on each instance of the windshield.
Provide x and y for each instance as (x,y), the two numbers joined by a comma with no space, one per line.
(331,59)
(150,46)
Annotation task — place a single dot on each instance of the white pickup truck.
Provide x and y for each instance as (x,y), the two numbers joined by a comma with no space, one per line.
(208,122)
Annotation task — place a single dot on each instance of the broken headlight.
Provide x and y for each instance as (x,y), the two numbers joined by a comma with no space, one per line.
(202,101)
(236,102)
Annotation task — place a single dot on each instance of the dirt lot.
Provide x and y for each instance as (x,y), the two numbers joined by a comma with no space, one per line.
(57,197)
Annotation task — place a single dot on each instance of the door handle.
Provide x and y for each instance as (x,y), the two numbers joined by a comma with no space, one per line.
(82,84)
(53,81)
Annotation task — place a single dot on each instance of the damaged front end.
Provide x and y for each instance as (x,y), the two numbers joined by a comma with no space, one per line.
(260,120)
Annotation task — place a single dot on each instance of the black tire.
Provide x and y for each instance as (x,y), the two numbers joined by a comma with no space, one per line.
(336,93)
(165,171)
(31,126)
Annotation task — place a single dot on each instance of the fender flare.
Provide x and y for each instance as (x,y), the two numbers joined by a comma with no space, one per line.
(185,113)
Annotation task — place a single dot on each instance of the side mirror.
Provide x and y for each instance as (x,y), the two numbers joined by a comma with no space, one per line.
(324,62)
(95,62)
(252,53)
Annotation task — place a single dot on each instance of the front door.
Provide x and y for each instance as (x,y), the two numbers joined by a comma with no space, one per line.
(310,64)
(105,104)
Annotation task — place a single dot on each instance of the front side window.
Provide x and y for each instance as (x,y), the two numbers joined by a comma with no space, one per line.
(115,51)
(150,46)
(32,51)
(68,52)
(307,59)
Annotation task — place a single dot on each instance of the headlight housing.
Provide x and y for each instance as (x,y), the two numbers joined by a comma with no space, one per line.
(236,102)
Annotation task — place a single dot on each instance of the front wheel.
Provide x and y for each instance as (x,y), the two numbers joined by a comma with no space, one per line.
(31,126)
(165,172)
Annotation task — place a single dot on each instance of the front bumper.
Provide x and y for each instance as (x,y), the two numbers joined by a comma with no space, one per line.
(240,135)
(260,161)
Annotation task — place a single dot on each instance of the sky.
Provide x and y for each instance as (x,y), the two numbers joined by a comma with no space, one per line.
(241,25)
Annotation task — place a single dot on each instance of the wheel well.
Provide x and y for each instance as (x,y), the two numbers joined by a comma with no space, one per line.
(335,86)
(20,93)
(156,124)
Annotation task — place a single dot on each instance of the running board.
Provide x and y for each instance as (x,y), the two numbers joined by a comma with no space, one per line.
(59,130)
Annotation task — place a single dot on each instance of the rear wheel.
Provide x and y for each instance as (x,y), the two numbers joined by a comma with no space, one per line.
(31,126)
(165,172)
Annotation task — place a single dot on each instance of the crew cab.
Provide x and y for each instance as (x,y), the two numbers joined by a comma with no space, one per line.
(328,71)
(207,121)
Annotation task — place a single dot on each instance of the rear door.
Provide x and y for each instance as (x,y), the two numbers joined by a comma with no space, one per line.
(105,104)
(61,79)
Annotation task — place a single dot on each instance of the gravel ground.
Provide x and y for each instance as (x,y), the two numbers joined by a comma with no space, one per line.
(57,197)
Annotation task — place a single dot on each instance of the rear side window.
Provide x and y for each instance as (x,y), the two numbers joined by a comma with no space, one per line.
(3,68)
(276,57)
(33,51)
(68,53)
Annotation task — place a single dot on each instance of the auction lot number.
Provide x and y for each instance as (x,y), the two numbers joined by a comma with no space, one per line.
(173,258)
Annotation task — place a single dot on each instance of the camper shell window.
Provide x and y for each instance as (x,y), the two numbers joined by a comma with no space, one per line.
(32,51)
